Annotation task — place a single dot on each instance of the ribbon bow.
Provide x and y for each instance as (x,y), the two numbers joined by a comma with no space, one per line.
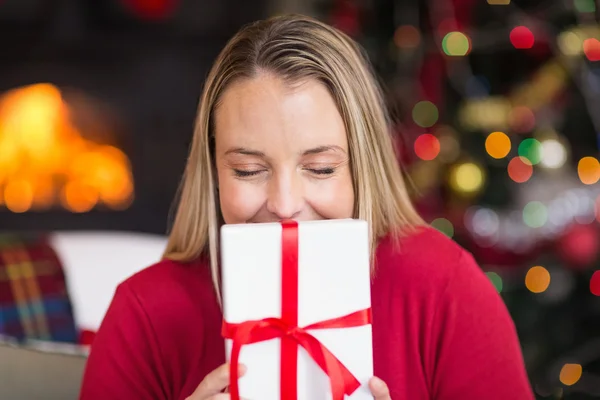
(341,379)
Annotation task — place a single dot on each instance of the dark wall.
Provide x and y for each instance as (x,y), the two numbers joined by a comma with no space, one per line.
(148,73)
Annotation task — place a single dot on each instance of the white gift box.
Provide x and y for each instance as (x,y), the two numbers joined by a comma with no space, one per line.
(333,281)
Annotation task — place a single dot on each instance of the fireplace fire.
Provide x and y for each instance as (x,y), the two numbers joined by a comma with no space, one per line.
(49,162)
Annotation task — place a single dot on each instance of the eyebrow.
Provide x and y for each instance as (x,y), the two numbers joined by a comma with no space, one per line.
(256,153)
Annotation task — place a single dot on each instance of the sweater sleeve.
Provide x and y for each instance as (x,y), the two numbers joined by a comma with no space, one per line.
(476,349)
(125,361)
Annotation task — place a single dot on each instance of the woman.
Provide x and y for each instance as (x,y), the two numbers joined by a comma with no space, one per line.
(291,125)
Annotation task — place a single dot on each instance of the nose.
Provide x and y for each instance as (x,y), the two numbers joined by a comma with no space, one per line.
(285,198)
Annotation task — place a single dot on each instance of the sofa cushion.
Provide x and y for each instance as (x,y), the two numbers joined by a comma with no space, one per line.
(34,302)
(40,370)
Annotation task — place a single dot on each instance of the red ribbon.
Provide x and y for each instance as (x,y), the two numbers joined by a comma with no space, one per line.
(340,378)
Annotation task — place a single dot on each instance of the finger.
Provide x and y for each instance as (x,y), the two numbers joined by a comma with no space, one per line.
(379,389)
(217,380)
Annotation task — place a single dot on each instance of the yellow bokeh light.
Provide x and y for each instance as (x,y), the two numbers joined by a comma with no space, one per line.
(497,145)
(588,170)
(456,44)
(79,197)
(18,196)
(537,279)
(467,178)
(45,160)
(498,2)
(570,374)
(570,43)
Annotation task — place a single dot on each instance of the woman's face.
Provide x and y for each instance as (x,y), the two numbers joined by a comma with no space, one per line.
(281,153)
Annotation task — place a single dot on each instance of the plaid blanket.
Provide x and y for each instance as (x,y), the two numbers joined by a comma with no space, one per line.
(34,303)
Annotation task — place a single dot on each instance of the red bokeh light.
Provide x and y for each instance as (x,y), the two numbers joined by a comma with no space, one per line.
(427,147)
(522,38)
(520,169)
(595,284)
(591,48)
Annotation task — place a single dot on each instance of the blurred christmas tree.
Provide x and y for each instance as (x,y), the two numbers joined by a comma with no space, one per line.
(499,110)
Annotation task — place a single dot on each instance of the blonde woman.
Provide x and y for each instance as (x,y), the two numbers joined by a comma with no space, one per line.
(291,125)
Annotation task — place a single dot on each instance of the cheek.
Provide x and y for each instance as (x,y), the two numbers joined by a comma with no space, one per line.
(238,201)
(333,199)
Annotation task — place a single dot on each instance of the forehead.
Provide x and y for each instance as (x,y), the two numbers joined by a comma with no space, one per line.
(266,111)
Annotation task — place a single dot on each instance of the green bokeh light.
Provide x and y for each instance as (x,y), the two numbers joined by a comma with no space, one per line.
(425,114)
(444,226)
(535,214)
(531,149)
(496,280)
(456,44)
(585,6)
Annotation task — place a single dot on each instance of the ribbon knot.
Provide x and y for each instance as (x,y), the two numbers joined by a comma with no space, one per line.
(286,328)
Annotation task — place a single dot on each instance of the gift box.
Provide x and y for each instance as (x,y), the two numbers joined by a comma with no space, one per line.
(296,307)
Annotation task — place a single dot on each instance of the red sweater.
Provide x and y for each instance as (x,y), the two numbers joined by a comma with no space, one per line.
(440,330)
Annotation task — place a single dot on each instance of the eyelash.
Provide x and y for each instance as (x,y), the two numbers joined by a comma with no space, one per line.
(245,174)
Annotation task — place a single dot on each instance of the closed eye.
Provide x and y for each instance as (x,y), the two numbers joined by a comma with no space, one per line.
(322,171)
(245,173)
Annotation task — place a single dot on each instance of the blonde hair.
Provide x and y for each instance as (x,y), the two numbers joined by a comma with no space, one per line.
(295,48)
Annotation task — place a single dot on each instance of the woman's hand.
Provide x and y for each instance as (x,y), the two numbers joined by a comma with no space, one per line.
(214,384)
(379,389)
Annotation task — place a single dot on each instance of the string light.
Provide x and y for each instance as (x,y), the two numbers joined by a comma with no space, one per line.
(497,145)
(520,169)
(537,279)
(522,38)
(588,170)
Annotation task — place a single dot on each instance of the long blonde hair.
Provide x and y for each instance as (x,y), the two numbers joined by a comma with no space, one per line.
(295,48)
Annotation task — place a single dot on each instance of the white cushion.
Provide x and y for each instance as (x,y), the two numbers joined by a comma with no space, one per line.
(96,262)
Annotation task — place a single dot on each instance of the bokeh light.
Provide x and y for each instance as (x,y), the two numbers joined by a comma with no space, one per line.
(407,37)
(591,48)
(570,43)
(570,374)
(531,150)
(537,279)
(522,38)
(18,196)
(449,145)
(585,6)
(497,145)
(588,170)
(467,178)
(427,147)
(456,44)
(521,119)
(535,214)
(425,114)
(595,283)
(498,2)
(520,169)
(443,225)
(496,280)
(553,154)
